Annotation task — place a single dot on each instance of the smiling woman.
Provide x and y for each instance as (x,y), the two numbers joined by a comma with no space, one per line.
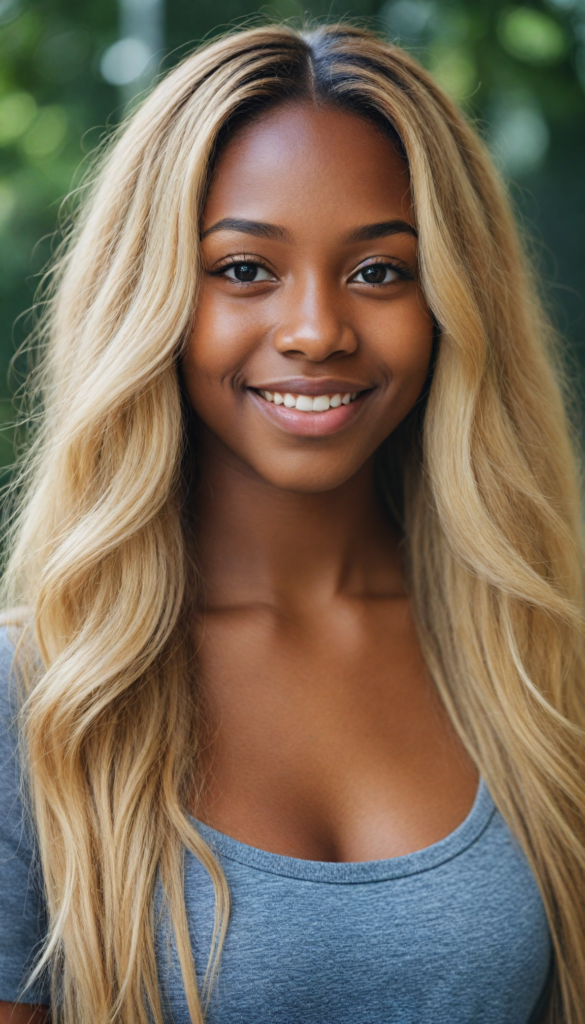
(324,266)
(298,685)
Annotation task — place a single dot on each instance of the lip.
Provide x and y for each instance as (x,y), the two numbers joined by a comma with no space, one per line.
(312,386)
(311,424)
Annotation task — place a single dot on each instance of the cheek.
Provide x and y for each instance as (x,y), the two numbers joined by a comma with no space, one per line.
(405,345)
(218,346)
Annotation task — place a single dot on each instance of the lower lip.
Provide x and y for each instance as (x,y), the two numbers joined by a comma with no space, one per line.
(311,424)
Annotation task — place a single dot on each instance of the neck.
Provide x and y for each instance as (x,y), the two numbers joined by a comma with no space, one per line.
(261,544)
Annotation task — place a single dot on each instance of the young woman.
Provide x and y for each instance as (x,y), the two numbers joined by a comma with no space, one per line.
(299,675)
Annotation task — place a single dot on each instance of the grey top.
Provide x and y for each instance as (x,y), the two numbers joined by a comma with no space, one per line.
(452,934)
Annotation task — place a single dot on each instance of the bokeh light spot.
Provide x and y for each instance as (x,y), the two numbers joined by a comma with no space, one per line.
(455,70)
(409,21)
(16,113)
(46,135)
(520,134)
(532,36)
(9,9)
(125,61)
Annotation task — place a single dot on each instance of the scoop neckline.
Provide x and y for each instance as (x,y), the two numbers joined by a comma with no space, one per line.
(347,872)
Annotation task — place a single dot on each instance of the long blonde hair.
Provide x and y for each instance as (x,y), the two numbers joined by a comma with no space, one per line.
(485,483)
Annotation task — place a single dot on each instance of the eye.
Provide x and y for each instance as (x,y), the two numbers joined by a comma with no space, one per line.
(377,273)
(246,272)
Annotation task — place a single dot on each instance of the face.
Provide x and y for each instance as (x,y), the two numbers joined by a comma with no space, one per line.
(312,338)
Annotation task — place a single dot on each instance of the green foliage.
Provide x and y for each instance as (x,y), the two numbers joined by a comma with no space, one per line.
(53,109)
(518,70)
(532,36)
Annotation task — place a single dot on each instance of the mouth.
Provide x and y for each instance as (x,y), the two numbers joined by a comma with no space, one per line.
(307,403)
(311,408)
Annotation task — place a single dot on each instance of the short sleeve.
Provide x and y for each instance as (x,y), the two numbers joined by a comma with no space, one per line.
(23,920)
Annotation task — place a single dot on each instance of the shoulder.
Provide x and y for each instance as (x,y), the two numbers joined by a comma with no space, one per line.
(16,831)
(23,921)
(8,690)
(14,823)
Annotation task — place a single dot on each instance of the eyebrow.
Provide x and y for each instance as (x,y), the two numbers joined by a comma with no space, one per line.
(369,232)
(366,233)
(249,227)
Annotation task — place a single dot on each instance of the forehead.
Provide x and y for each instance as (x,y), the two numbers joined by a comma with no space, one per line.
(302,160)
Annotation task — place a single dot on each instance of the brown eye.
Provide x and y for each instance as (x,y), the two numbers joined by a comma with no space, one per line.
(246,272)
(376,273)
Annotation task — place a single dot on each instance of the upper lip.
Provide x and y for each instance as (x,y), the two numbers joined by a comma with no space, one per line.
(312,386)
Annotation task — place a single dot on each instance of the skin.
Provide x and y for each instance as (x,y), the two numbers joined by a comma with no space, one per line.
(327,739)
(22,1013)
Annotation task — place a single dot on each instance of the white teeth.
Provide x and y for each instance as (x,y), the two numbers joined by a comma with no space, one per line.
(320,404)
(304,403)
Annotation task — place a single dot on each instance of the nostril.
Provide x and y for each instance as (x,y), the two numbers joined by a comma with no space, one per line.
(333,340)
(315,353)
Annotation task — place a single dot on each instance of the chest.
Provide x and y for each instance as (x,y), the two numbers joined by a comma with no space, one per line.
(327,739)
(455,934)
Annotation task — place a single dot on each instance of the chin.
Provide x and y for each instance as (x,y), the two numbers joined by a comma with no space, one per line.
(307,479)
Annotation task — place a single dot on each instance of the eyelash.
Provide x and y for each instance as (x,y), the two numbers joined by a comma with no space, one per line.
(234,261)
(398,267)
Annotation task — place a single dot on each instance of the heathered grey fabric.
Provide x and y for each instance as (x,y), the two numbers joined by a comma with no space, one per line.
(453,934)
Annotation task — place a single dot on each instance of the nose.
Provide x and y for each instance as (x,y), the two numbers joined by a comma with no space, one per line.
(312,324)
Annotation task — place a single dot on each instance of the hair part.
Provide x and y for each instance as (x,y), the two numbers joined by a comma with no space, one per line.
(484,480)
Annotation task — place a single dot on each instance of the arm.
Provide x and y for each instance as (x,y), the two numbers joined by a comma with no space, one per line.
(23,1013)
(22,909)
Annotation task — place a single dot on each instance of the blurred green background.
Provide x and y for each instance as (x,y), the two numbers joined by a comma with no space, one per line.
(67,69)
